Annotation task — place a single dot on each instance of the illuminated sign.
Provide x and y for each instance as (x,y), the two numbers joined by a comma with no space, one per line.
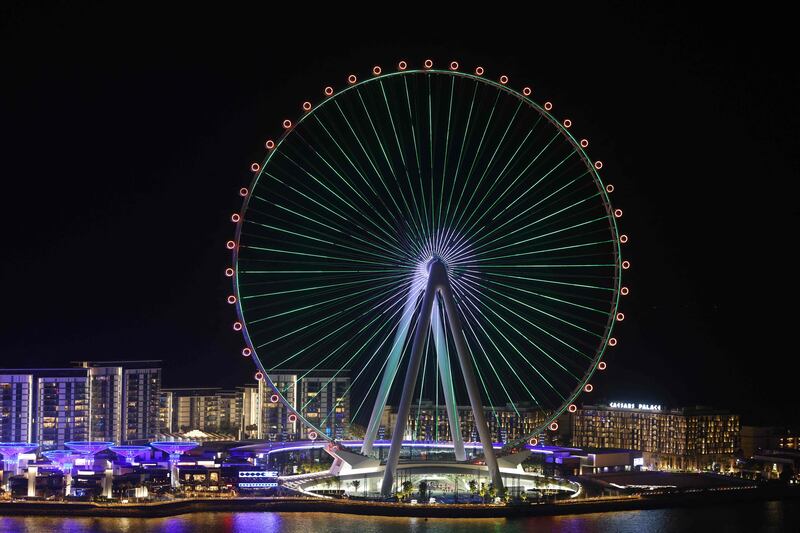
(642,406)
(257,474)
(638,461)
(257,485)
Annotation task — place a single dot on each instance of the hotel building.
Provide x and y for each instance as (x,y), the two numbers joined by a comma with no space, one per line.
(697,438)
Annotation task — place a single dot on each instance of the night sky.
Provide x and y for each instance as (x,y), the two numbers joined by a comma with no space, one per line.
(126,136)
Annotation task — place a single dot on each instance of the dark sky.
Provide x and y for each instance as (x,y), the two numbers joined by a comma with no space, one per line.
(126,136)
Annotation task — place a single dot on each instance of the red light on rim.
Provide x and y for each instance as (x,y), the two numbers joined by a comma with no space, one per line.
(534,441)
(620,317)
(292,417)
(376,70)
(328,91)
(626,265)
(609,188)
(601,365)
(274,398)
(229,272)
(270,144)
(237,326)
(428,63)
(479,71)
(548,106)
(235,217)
(588,388)
(255,167)
(618,213)
(243,192)
(247,352)
(623,238)
(230,245)
(567,123)
(503,79)
(454,65)
(231,299)
(612,341)
(624,291)
(306,106)
(351,79)
(526,91)
(598,165)
(259,376)
(402,65)
(287,124)
(572,408)
(553,426)
(312,435)
(584,143)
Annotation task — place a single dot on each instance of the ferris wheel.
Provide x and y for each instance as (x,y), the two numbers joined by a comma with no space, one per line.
(432,223)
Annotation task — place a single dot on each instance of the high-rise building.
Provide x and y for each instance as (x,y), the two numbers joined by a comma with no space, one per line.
(49,406)
(276,425)
(138,384)
(695,438)
(321,396)
(106,403)
(324,401)
(114,401)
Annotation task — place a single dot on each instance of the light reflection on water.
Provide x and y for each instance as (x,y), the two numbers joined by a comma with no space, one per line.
(750,517)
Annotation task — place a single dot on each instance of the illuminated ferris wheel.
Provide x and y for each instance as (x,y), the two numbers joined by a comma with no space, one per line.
(436,236)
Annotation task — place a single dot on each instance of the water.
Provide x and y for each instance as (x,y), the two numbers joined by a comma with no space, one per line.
(750,517)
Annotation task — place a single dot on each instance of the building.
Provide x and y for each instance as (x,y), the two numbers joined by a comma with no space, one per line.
(106,399)
(209,409)
(115,401)
(165,410)
(321,396)
(698,438)
(251,413)
(16,407)
(756,438)
(325,401)
(48,406)
(136,386)
(428,421)
(789,440)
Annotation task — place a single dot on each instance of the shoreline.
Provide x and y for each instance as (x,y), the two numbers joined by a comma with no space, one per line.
(284,504)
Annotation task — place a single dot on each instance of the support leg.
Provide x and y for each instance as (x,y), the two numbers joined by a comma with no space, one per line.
(403,410)
(443,357)
(472,385)
(390,371)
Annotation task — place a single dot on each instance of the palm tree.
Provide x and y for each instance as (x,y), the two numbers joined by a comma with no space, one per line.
(407,488)
(423,490)
(355,483)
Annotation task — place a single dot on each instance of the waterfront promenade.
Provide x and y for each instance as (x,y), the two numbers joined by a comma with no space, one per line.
(695,498)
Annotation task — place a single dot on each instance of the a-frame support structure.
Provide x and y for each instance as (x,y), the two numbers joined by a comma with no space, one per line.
(437,289)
